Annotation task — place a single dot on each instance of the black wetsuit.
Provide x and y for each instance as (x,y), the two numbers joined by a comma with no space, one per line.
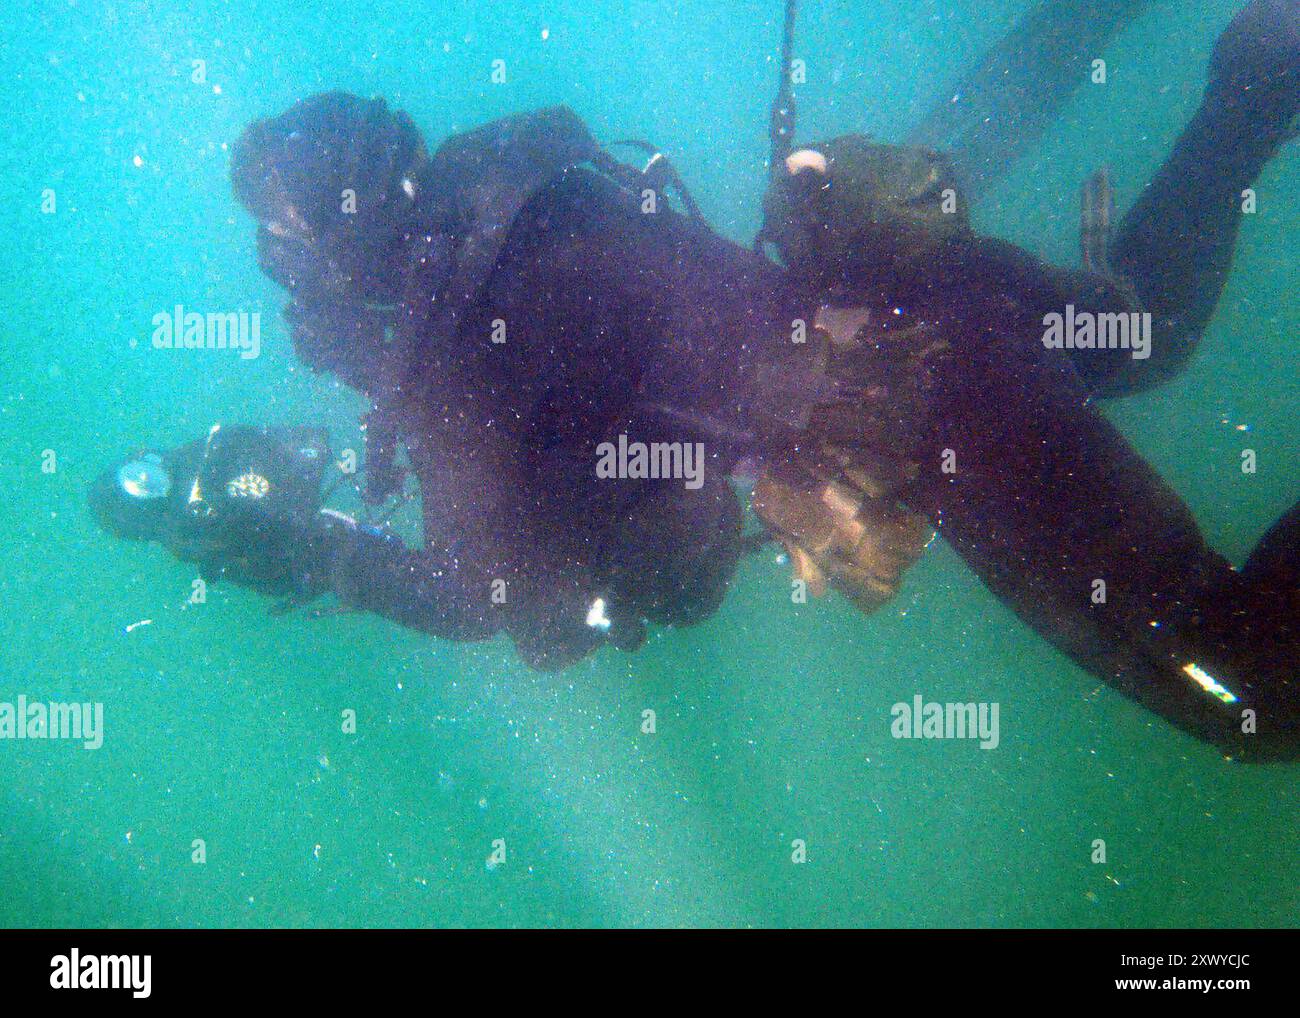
(1176,242)
(688,340)
(620,322)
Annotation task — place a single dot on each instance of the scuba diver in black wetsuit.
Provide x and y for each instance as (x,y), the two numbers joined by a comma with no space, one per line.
(653,327)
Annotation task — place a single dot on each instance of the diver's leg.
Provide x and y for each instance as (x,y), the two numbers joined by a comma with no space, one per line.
(1176,243)
(1272,575)
(1066,524)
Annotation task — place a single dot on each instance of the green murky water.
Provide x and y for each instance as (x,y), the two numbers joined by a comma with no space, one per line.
(223,723)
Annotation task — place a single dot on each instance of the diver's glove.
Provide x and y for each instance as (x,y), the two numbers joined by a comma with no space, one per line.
(557,617)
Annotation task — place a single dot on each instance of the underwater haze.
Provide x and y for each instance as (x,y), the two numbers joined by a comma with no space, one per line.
(223,731)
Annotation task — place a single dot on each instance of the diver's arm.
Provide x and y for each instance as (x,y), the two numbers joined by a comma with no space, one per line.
(372,570)
(367,568)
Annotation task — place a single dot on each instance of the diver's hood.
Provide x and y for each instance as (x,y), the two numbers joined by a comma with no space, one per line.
(332,182)
(852,197)
(338,184)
